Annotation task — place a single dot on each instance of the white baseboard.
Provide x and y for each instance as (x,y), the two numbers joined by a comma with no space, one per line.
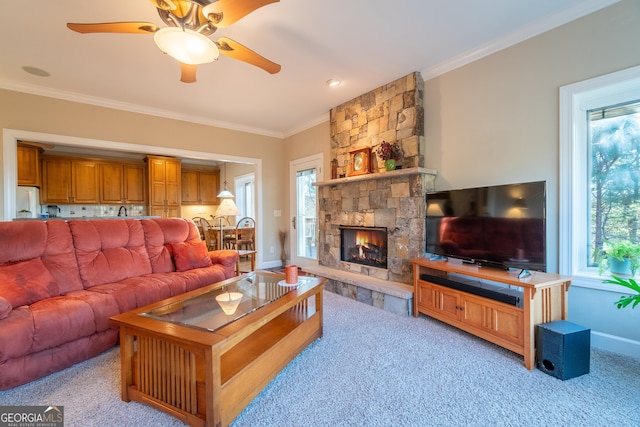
(270,264)
(615,344)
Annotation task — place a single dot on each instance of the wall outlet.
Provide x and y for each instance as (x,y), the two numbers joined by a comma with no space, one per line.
(272,249)
(277,213)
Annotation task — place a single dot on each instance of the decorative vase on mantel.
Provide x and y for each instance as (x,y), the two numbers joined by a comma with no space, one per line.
(390,164)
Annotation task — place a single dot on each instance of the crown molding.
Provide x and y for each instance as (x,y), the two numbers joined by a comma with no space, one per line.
(133,108)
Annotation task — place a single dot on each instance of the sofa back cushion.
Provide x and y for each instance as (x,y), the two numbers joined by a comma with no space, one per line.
(60,257)
(109,250)
(160,234)
(22,240)
(47,242)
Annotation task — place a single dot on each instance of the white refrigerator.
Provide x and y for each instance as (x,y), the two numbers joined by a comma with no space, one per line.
(27,199)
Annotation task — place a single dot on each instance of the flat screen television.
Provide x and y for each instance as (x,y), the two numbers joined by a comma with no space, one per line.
(501,226)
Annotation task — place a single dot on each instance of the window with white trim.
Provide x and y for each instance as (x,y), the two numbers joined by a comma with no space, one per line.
(245,195)
(599,169)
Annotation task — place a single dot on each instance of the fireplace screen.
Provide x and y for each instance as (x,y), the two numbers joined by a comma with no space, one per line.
(364,245)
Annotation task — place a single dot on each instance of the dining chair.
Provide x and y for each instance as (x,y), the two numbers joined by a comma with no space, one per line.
(209,234)
(245,234)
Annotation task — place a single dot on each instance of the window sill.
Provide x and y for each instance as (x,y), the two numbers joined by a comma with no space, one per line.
(589,280)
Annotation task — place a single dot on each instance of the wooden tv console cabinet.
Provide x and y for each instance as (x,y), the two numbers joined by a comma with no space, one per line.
(544,299)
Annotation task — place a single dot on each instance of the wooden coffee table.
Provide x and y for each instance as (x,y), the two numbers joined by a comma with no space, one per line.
(186,356)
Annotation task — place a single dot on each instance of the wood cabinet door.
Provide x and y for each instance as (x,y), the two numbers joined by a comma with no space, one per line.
(156,181)
(134,184)
(28,165)
(172,182)
(500,320)
(84,182)
(439,300)
(56,181)
(208,187)
(190,186)
(111,183)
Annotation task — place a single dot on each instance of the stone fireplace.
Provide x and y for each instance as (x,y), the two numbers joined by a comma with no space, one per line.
(393,200)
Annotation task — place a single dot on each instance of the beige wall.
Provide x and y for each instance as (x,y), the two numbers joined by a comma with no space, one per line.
(31,113)
(496,120)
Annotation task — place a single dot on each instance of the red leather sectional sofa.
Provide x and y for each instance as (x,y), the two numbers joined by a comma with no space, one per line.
(60,281)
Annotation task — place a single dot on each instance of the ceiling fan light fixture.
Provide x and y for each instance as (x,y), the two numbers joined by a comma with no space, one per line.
(187,46)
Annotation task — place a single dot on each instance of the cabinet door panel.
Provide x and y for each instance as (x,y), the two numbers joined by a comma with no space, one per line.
(501,320)
(84,182)
(56,181)
(172,184)
(190,188)
(437,299)
(449,303)
(134,184)
(111,183)
(28,166)
(208,183)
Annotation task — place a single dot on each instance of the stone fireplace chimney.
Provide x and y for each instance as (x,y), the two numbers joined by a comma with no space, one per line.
(394,200)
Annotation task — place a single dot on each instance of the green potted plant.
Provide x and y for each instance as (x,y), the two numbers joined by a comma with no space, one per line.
(390,153)
(634,300)
(620,257)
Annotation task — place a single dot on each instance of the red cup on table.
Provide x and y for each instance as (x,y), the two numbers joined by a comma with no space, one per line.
(291,274)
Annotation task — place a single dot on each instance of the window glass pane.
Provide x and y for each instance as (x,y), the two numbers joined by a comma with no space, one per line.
(614,145)
(306,213)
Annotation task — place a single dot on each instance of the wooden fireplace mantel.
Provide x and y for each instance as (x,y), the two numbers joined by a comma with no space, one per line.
(379,175)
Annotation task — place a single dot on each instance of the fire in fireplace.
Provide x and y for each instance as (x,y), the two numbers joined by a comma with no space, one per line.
(364,245)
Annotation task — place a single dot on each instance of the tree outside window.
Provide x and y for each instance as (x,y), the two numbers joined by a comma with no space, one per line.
(614,134)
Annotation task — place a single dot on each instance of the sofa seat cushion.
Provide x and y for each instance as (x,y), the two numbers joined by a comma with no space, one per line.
(109,251)
(103,306)
(45,324)
(200,277)
(26,282)
(190,255)
(137,292)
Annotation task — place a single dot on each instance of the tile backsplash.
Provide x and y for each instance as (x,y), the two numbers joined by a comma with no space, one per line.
(90,211)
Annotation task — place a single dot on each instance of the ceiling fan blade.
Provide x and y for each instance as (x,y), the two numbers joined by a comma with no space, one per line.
(188,72)
(225,12)
(164,4)
(115,27)
(235,50)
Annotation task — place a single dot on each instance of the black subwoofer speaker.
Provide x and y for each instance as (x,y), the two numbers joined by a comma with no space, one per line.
(562,349)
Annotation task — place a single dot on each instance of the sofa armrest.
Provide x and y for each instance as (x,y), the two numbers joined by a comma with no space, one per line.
(224,257)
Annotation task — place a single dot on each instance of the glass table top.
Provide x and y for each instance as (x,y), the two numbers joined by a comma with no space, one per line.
(220,306)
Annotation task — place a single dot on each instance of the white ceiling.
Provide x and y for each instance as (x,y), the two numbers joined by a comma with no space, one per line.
(364,43)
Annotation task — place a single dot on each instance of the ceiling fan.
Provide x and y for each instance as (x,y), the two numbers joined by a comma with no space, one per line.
(189,23)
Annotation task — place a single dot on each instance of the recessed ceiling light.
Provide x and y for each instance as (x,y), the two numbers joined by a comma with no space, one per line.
(36,71)
(333,83)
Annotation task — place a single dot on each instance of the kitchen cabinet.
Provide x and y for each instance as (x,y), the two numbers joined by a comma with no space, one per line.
(28,165)
(200,187)
(164,177)
(122,183)
(67,181)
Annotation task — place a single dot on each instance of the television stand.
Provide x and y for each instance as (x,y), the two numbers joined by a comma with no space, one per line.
(544,299)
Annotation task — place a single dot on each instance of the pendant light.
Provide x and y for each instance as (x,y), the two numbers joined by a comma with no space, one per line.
(225,193)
